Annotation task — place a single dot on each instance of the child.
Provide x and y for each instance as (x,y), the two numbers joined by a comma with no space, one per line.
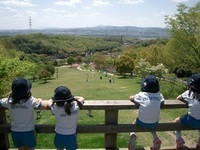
(192,118)
(65,107)
(149,100)
(21,105)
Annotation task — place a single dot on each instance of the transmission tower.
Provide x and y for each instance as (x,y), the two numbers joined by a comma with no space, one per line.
(30,24)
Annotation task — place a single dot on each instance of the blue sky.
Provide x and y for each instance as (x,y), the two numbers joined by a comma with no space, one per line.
(19,14)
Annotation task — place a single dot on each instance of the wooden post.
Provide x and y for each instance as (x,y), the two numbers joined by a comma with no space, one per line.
(4,142)
(111,117)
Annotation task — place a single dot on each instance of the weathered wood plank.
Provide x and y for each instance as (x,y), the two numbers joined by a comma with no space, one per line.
(4,142)
(111,117)
(106,128)
(126,104)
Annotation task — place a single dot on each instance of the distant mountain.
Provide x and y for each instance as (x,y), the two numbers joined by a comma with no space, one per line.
(139,32)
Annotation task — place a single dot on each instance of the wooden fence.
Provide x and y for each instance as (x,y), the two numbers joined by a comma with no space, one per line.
(111,126)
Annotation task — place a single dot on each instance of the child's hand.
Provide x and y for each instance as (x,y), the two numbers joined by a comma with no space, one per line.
(46,104)
(131,98)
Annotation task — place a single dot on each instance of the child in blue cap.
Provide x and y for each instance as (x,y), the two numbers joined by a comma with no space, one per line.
(149,100)
(66,108)
(192,118)
(21,105)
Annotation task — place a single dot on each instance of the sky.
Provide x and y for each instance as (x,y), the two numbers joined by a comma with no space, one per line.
(41,14)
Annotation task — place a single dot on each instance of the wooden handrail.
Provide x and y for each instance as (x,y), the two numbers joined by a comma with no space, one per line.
(126,104)
(111,126)
(103,128)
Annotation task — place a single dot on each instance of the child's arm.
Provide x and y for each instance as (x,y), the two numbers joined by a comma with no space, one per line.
(162,100)
(132,100)
(46,104)
(80,101)
(181,99)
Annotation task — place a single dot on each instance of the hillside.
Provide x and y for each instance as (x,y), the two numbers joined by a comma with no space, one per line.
(130,31)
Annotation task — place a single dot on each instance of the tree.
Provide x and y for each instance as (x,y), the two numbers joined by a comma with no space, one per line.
(142,68)
(184,41)
(79,59)
(100,61)
(11,68)
(34,71)
(50,68)
(70,60)
(124,64)
(159,70)
(44,74)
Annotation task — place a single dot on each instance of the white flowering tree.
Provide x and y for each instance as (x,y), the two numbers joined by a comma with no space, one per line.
(144,68)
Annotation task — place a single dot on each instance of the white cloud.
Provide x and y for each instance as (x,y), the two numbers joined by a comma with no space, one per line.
(100,3)
(53,10)
(25,13)
(87,7)
(18,15)
(18,3)
(68,3)
(68,15)
(30,12)
(130,1)
(8,9)
(71,15)
(179,1)
(94,14)
(161,14)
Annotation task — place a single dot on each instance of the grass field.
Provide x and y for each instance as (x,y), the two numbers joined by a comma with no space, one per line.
(96,89)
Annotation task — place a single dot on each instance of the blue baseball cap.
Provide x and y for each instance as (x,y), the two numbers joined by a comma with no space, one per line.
(20,88)
(150,84)
(194,82)
(62,93)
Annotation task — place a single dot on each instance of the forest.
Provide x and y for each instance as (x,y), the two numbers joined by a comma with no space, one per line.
(37,55)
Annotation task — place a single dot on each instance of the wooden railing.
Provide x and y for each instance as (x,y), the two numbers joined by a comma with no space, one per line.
(111,126)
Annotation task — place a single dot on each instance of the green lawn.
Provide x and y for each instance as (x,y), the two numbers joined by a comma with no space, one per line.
(96,89)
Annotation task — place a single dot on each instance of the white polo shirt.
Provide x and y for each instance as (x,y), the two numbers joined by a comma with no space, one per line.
(22,114)
(149,109)
(66,124)
(193,105)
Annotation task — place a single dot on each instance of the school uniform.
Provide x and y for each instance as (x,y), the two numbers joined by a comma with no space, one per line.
(66,126)
(149,109)
(22,120)
(192,118)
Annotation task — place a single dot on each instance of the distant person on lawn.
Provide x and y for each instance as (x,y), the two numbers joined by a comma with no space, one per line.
(192,118)
(21,105)
(149,100)
(66,108)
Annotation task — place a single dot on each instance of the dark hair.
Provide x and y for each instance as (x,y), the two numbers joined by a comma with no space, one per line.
(66,105)
(194,86)
(195,95)
(15,100)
